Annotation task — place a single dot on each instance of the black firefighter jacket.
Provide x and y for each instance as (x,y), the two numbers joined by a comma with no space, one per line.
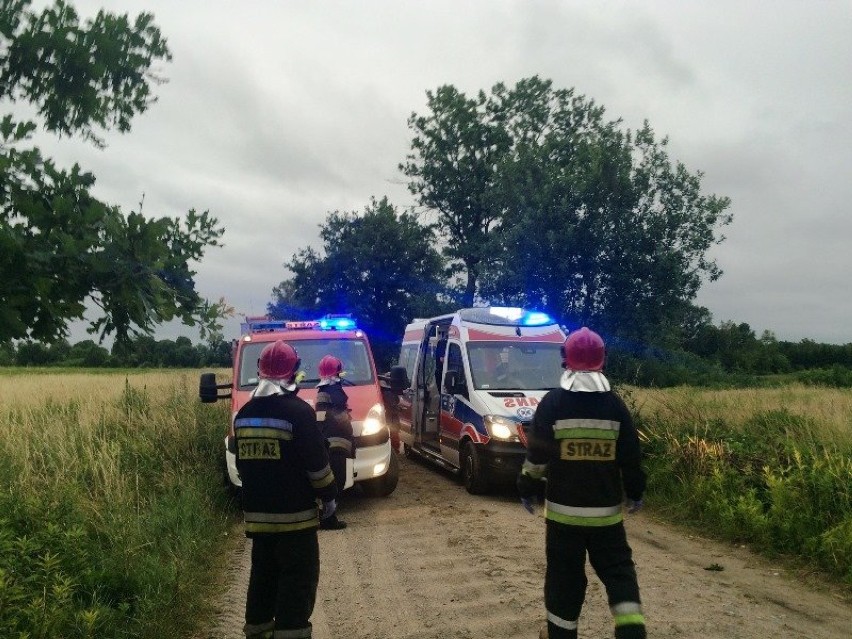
(333,418)
(283,463)
(588,448)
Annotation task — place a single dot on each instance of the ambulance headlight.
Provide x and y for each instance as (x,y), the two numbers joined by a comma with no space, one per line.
(500,427)
(375,420)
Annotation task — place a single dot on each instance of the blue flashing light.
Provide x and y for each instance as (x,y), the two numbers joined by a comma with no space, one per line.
(332,323)
(536,318)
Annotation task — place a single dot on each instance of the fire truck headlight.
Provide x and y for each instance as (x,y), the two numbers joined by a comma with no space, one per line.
(501,427)
(375,420)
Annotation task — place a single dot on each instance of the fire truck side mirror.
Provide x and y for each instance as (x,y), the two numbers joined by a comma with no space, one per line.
(208,389)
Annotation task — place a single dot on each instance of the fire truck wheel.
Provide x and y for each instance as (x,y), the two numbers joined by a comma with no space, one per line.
(384,485)
(472,473)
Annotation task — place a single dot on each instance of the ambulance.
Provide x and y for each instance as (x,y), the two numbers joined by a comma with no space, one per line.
(473,380)
(375,467)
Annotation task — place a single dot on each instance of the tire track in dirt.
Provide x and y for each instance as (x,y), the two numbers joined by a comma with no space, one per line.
(420,550)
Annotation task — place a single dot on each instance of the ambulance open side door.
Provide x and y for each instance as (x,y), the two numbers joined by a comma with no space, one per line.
(419,409)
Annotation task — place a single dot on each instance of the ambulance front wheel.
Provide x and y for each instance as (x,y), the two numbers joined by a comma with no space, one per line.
(472,472)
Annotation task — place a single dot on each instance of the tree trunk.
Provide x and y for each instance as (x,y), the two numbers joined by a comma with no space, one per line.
(470,288)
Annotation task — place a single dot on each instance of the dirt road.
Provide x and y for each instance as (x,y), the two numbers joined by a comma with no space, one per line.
(433,562)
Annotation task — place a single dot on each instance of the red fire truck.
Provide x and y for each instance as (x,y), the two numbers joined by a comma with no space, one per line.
(375,467)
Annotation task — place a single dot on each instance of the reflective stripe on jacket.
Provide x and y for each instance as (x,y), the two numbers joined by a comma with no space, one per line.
(283,464)
(586,445)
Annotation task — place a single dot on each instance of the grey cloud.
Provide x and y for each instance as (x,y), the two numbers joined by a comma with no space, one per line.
(276,113)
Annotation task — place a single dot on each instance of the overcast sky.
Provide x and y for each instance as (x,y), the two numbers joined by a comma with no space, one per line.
(276,113)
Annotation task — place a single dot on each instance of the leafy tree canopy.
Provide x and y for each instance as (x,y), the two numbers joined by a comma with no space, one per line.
(379,265)
(549,204)
(454,168)
(59,245)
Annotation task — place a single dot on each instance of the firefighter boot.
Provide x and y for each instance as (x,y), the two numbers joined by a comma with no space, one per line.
(544,633)
(633,631)
(332,523)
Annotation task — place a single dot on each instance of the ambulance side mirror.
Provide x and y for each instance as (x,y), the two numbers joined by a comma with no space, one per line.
(398,379)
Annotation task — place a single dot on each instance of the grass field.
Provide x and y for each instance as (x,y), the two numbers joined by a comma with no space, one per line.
(829,410)
(771,467)
(112,510)
(113,517)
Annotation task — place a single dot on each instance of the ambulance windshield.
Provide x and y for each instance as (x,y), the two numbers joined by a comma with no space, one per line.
(514,365)
(352,352)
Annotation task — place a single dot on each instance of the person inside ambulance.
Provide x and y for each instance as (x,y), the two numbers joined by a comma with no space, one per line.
(332,407)
(501,372)
(392,384)
(283,462)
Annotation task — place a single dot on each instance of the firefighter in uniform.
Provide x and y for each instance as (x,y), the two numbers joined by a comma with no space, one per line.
(333,418)
(584,442)
(283,463)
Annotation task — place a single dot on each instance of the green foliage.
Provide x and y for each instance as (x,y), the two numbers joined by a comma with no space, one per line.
(808,354)
(141,351)
(772,482)
(454,169)
(380,266)
(111,532)
(532,171)
(836,376)
(80,78)
(59,246)
(737,349)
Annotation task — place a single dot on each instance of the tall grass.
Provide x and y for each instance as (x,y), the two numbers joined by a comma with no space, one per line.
(772,467)
(111,505)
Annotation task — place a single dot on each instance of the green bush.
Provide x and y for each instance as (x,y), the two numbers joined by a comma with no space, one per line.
(771,482)
(835,377)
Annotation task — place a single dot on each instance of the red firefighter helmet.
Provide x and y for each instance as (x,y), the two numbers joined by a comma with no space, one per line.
(330,366)
(583,351)
(278,360)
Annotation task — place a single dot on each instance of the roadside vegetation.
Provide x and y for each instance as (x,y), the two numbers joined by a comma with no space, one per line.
(771,467)
(113,517)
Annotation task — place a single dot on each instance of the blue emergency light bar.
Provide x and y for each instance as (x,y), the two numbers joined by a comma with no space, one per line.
(336,323)
(264,324)
(536,318)
(505,316)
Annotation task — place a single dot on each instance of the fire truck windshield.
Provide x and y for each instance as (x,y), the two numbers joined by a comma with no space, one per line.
(352,352)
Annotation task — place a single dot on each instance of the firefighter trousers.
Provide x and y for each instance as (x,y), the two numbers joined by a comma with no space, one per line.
(282,584)
(565,580)
(337,460)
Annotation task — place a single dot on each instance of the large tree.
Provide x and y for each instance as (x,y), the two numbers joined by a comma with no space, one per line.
(60,247)
(379,265)
(453,170)
(586,220)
